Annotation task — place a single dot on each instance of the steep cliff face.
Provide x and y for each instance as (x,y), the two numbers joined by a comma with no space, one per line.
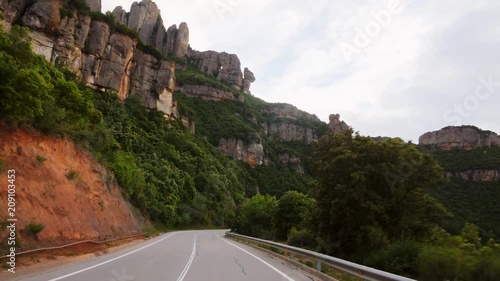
(154,81)
(476,175)
(465,137)
(252,153)
(106,58)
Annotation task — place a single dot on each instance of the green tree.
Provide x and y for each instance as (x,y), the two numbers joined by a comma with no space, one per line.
(372,192)
(257,216)
(292,211)
(447,257)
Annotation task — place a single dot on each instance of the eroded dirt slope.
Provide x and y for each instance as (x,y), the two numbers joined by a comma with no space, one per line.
(64,188)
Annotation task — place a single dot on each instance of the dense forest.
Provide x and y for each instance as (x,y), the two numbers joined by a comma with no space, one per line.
(382,203)
(470,201)
(373,205)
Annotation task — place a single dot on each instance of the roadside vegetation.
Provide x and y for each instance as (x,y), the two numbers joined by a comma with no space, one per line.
(371,205)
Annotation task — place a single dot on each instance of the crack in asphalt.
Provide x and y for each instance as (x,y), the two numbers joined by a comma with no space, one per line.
(198,247)
(240,265)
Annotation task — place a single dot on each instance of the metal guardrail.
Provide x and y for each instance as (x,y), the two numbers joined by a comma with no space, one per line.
(73,244)
(361,271)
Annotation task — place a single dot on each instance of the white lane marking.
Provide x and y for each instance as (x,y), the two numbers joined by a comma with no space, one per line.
(190,261)
(108,261)
(263,261)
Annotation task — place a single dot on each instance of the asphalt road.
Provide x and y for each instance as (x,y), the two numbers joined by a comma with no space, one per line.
(181,256)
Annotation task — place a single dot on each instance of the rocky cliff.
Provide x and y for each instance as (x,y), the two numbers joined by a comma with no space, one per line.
(476,175)
(252,153)
(336,124)
(464,137)
(467,152)
(224,67)
(145,18)
(131,53)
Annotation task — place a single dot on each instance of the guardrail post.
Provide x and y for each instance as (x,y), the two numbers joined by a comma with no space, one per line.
(292,256)
(318,265)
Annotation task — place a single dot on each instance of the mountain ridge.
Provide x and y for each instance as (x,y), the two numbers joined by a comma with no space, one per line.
(132,53)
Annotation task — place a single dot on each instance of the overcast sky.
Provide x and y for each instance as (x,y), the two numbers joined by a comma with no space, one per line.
(388,67)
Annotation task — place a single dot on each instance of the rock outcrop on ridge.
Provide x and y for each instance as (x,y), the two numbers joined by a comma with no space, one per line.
(464,137)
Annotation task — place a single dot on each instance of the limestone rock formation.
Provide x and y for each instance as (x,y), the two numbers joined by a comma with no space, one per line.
(120,15)
(248,79)
(116,66)
(222,66)
(98,38)
(181,41)
(169,40)
(42,44)
(252,153)
(95,5)
(464,137)
(145,18)
(43,15)
(476,175)
(336,125)
(154,81)
(13,9)
(292,161)
(68,46)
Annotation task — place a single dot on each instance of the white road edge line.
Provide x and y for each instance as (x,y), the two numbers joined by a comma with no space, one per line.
(190,261)
(108,261)
(261,260)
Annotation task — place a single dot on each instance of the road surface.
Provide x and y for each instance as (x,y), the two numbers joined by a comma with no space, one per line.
(181,256)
